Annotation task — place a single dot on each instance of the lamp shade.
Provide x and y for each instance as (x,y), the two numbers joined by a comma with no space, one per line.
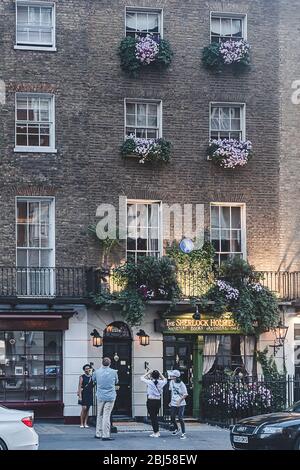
(281,332)
(144,339)
(97,339)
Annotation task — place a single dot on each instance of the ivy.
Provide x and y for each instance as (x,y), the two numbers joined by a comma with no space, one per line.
(150,278)
(130,63)
(255,308)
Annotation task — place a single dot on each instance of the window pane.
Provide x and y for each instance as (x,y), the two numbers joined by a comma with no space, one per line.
(142,215)
(236,217)
(22,235)
(225,240)
(22,258)
(46,16)
(215,234)
(226,27)
(215,26)
(215,216)
(34,15)
(22,14)
(33,258)
(34,239)
(130,21)
(153,24)
(236,245)
(153,215)
(142,22)
(237,28)
(22,211)
(225,216)
(297,332)
(33,212)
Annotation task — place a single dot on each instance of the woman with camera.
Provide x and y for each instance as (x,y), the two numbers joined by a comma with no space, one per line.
(85,394)
(155,383)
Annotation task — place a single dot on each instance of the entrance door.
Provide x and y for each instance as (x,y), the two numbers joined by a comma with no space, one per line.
(178,354)
(117,346)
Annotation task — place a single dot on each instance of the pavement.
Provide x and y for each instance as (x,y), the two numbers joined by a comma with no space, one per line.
(131,436)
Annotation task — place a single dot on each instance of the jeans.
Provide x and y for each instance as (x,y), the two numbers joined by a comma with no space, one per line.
(178,411)
(153,407)
(104,409)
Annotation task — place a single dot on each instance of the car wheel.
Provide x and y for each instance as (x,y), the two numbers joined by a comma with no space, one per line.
(2,445)
(297,444)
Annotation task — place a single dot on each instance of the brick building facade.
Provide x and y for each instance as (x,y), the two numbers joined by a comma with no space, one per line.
(79,73)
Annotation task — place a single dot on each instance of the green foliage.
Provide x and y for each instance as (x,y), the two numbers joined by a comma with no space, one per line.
(211,57)
(151,277)
(268,365)
(132,65)
(255,310)
(198,266)
(158,153)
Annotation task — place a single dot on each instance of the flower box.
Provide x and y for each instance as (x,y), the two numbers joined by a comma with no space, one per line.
(229,153)
(141,52)
(232,53)
(146,150)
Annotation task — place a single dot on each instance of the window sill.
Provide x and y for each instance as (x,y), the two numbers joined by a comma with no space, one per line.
(36,48)
(34,150)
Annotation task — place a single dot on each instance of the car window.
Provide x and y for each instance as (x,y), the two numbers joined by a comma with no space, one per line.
(294,408)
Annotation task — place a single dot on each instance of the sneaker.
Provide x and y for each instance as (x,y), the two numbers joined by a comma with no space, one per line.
(174,433)
(86,426)
(81,426)
(155,434)
(183,436)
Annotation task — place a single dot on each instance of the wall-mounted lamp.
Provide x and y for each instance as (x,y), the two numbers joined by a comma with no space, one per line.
(280,336)
(97,340)
(143,338)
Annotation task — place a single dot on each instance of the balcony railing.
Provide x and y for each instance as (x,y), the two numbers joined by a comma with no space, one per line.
(67,282)
(83,283)
(285,285)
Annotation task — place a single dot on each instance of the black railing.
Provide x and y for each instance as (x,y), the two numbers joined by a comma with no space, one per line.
(66,282)
(285,285)
(226,401)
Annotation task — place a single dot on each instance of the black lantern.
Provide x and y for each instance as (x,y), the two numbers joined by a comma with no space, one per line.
(97,340)
(197,315)
(280,335)
(281,332)
(143,338)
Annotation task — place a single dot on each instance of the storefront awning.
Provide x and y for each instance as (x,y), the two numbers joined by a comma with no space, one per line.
(42,320)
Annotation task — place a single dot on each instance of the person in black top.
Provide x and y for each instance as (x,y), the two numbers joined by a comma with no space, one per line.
(85,394)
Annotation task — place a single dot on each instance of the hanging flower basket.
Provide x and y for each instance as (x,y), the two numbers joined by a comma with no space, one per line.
(229,153)
(229,53)
(147,150)
(136,53)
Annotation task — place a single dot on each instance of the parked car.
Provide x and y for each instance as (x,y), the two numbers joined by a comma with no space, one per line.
(269,431)
(16,430)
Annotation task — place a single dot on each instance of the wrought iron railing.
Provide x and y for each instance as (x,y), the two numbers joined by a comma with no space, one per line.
(82,282)
(36,282)
(192,283)
(225,401)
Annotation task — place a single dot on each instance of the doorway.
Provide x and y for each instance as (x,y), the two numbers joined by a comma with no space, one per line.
(117,345)
(178,354)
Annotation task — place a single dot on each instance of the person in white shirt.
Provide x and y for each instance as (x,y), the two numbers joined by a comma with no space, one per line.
(178,396)
(155,383)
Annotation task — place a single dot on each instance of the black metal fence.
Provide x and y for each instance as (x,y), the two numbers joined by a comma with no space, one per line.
(226,401)
(65,282)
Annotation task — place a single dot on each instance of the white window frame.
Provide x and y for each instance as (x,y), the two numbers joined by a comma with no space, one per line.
(37,149)
(243,225)
(160,221)
(146,10)
(142,101)
(242,107)
(228,15)
(37,47)
(51,239)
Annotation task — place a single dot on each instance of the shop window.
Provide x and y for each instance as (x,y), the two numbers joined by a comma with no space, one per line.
(30,366)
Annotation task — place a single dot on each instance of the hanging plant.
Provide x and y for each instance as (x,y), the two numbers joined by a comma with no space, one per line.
(151,278)
(229,153)
(228,53)
(147,150)
(238,290)
(136,53)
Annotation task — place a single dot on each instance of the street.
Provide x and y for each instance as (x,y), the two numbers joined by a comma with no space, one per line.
(131,436)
